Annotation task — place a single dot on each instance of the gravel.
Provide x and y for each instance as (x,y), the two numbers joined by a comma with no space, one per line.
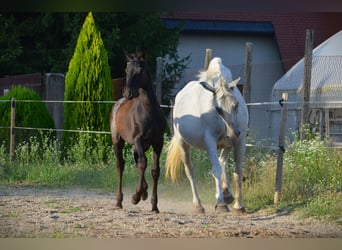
(60,213)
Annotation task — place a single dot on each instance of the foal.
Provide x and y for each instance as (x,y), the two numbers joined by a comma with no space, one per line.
(138,120)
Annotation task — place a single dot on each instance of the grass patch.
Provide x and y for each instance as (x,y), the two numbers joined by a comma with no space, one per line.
(71,210)
(327,207)
(312,174)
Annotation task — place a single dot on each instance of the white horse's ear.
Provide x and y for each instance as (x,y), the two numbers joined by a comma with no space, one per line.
(232,84)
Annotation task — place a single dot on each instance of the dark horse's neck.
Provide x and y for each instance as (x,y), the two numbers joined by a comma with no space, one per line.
(148,96)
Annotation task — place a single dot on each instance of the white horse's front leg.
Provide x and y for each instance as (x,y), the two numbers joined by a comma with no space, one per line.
(226,189)
(216,170)
(239,151)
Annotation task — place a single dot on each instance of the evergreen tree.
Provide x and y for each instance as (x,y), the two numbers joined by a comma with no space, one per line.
(88,79)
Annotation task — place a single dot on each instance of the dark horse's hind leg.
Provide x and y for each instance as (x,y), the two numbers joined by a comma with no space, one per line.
(120,165)
(155,172)
(141,162)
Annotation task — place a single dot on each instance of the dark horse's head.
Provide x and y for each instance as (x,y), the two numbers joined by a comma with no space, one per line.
(137,75)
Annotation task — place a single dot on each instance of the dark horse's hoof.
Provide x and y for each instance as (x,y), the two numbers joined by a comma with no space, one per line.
(144,195)
(155,210)
(118,206)
(135,199)
(221,208)
(239,212)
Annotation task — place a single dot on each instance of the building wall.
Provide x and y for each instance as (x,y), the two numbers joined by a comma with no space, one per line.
(290,28)
(272,56)
(266,68)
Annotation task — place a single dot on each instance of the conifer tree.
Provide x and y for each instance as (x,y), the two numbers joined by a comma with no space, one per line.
(88,79)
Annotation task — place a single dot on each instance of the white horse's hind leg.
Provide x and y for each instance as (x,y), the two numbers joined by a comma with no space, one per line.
(189,171)
(226,189)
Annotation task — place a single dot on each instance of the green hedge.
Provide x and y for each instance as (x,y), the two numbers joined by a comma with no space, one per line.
(28,114)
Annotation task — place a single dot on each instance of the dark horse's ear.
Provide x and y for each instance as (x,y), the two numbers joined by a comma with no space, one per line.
(142,55)
(128,56)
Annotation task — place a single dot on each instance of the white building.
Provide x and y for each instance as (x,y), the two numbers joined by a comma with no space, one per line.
(228,39)
(325,94)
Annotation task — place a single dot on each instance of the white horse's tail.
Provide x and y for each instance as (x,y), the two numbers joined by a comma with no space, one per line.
(173,160)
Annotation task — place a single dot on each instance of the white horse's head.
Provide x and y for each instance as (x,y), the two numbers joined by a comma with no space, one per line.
(220,78)
(228,103)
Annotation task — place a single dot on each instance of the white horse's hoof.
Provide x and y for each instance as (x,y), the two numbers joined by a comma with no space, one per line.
(221,208)
(199,210)
(227,197)
(239,211)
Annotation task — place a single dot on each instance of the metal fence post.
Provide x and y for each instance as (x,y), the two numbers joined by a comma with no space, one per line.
(281,150)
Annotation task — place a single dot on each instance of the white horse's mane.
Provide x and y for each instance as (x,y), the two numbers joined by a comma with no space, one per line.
(216,71)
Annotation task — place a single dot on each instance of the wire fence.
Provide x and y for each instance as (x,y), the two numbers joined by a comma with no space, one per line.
(254,104)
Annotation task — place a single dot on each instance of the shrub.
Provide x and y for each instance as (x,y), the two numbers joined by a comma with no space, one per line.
(312,168)
(32,114)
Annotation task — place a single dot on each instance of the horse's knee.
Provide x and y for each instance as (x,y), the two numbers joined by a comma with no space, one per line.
(155,172)
(142,163)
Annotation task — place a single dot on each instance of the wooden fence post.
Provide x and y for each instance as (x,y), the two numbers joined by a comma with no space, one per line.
(208,55)
(159,79)
(12,129)
(247,72)
(305,114)
(281,150)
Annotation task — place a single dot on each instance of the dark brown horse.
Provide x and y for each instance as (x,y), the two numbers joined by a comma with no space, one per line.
(138,120)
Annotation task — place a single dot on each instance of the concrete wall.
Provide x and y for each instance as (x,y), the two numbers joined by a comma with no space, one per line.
(54,85)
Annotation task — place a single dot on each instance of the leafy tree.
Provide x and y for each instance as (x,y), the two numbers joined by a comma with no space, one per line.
(45,42)
(88,79)
(34,42)
(10,47)
(28,114)
(142,31)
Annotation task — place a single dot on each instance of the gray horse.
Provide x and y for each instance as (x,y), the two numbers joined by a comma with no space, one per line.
(209,114)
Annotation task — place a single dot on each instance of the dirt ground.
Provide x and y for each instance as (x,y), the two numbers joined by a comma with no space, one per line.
(45,213)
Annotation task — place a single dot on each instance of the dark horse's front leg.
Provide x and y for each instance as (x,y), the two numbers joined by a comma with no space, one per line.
(155,172)
(141,162)
(120,165)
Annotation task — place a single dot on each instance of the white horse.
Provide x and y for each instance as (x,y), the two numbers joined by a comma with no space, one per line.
(209,114)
